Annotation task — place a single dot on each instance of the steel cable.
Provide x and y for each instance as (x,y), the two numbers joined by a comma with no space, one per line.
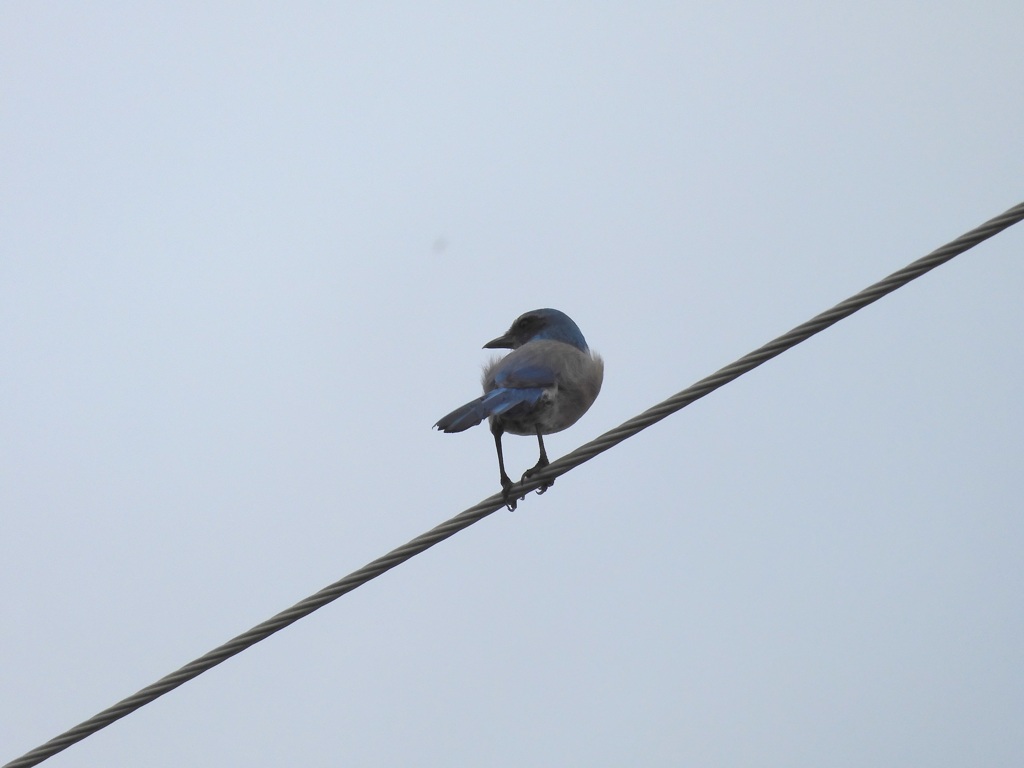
(493,503)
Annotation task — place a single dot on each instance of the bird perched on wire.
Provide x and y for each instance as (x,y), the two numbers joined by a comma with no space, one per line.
(548,380)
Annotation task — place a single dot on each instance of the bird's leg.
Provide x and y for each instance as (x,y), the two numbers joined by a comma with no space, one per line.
(541,463)
(506,482)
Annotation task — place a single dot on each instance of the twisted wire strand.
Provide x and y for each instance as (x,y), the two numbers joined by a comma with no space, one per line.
(491,504)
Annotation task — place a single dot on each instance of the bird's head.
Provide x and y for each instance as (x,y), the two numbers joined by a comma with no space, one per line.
(540,324)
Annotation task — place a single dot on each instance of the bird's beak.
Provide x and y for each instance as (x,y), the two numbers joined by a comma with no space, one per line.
(502,342)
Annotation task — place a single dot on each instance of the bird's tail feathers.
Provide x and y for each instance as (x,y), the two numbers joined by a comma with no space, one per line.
(494,403)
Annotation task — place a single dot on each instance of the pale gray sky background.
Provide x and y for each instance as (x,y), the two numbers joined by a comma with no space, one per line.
(250,253)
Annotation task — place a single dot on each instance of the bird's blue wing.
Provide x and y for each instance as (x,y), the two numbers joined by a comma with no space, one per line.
(525,376)
(494,403)
(514,386)
(503,399)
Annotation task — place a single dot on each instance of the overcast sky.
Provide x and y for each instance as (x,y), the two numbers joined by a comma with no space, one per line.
(249,255)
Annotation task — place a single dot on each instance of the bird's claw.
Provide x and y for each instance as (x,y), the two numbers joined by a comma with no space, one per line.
(531,472)
(510,501)
(506,487)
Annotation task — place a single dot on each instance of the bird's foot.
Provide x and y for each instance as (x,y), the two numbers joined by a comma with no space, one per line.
(534,470)
(510,501)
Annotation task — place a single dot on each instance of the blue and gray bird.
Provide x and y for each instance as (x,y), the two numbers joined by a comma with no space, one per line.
(548,380)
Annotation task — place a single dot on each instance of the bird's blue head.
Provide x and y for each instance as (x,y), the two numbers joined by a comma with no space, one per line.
(540,324)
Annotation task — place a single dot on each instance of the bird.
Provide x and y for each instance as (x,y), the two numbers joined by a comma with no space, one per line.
(544,385)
